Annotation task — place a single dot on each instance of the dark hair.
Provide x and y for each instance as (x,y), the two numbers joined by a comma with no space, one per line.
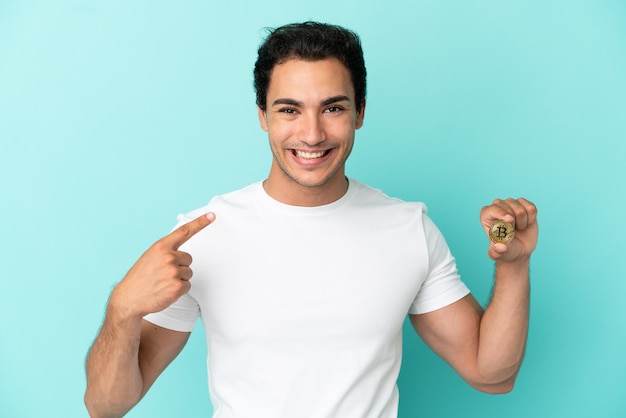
(310,41)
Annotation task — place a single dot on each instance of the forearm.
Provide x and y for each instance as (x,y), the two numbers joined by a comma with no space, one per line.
(504,325)
(114,381)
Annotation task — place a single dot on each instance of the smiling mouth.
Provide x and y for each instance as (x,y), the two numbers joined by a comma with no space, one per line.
(310,155)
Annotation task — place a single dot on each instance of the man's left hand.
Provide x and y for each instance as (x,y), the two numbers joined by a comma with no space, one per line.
(522,214)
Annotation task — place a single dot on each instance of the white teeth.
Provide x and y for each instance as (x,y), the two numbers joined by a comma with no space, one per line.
(309,155)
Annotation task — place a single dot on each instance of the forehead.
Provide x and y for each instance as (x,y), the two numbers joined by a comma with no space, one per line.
(322,78)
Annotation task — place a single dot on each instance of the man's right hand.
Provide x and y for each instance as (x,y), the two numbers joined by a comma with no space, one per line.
(160,276)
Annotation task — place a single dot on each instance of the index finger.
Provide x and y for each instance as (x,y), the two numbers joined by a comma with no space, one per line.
(519,212)
(497,211)
(180,235)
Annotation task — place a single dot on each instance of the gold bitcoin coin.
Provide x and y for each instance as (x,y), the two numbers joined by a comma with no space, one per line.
(501,232)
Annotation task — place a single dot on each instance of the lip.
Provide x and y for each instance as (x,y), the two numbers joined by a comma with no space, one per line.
(308,161)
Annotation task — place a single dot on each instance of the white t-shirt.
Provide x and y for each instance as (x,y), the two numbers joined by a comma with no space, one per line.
(303,306)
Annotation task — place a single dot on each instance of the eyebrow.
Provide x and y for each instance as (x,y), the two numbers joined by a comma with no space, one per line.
(335,99)
(325,102)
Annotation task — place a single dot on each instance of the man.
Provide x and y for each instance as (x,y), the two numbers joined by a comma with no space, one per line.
(303,281)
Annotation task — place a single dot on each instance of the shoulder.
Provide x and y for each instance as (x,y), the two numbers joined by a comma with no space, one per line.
(368,196)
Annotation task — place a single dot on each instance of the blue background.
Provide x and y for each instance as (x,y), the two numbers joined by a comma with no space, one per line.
(116,116)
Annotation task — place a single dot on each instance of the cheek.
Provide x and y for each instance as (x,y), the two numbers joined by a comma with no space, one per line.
(342,128)
(282,129)
(278,136)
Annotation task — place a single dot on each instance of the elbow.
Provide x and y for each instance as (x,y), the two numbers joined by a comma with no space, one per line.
(96,408)
(496,383)
(496,389)
(93,409)
(91,406)
(109,399)
(495,386)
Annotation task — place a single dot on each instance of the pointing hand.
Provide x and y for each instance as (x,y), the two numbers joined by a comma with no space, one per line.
(160,276)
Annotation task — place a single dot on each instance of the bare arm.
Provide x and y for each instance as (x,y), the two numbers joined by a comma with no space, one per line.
(124,362)
(487,347)
(129,352)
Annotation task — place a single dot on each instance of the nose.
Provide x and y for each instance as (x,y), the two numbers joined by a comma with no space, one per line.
(312,129)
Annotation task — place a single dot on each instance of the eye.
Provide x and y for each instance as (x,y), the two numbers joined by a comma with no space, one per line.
(287,110)
(333,109)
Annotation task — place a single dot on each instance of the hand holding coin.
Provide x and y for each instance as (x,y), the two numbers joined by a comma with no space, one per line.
(511,226)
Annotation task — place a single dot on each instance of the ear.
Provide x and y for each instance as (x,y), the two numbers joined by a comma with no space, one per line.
(263,119)
(360,116)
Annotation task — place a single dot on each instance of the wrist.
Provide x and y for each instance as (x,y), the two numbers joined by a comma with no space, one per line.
(519,262)
(515,269)
(120,314)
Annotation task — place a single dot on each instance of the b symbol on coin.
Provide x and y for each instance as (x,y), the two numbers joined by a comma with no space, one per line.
(501,232)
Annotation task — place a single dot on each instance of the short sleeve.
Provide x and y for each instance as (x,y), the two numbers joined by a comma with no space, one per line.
(180,316)
(443,285)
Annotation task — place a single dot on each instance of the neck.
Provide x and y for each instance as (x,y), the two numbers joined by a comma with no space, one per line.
(294,194)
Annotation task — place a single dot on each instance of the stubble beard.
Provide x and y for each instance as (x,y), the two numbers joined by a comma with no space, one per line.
(325,180)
